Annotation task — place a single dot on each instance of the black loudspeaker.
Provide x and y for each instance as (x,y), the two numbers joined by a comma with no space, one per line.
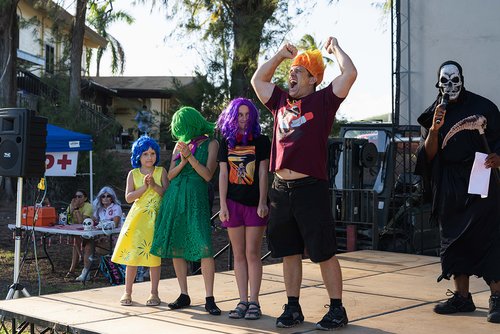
(22,143)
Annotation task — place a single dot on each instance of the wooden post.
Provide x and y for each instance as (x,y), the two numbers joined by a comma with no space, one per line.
(352,237)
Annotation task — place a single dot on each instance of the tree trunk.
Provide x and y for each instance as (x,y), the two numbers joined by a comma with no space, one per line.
(77,34)
(248,26)
(8,54)
(8,81)
(98,58)
(7,193)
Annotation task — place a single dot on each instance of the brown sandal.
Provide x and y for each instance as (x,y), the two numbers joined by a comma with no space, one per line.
(153,300)
(126,299)
(70,276)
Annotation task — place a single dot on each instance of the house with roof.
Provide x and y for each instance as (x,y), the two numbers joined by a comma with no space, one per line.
(44,31)
(44,28)
(134,95)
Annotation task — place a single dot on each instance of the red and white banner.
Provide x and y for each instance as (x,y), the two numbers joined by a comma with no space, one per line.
(61,163)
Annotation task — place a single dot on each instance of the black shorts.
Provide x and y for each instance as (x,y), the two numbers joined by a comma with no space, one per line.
(301,218)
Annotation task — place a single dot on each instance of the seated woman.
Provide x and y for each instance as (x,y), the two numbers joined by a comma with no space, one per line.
(107,208)
(77,211)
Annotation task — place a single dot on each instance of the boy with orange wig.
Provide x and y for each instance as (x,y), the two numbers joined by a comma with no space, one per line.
(301,218)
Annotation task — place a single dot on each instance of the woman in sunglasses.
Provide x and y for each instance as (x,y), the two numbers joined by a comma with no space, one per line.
(77,211)
(107,208)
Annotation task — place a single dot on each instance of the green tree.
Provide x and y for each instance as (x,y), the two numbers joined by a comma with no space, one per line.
(308,42)
(101,17)
(230,37)
(233,34)
(107,169)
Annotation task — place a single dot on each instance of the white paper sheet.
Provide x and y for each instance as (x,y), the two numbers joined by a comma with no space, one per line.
(479,180)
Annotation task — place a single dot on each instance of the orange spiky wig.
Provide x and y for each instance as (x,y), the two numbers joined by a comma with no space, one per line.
(311,60)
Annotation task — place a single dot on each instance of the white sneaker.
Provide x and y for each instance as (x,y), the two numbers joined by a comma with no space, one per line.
(85,275)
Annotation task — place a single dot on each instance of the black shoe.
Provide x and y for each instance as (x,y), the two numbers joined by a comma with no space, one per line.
(181,302)
(292,316)
(211,307)
(336,317)
(455,304)
(494,311)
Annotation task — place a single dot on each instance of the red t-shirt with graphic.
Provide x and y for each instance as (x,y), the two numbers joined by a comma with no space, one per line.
(301,129)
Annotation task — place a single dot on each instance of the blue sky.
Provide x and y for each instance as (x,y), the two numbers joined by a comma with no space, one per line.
(362,30)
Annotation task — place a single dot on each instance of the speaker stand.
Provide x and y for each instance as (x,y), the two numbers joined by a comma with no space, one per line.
(15,288)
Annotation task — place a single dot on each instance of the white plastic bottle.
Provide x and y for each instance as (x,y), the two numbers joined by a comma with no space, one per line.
(124,216)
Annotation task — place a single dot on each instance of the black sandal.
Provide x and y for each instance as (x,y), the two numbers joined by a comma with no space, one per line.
(253,312)
(181,302)
(239,312)
(211,307)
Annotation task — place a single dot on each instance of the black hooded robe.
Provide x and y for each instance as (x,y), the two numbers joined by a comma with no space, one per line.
(469,224)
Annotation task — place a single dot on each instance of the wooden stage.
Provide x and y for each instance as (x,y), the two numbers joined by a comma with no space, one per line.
(383,293)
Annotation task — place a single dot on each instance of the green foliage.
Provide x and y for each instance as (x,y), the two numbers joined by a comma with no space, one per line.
(339,122)
(101,17)
(201,94)
(107,170)
(308,42)
(231,35)
(280,76)
(163,129)
(7,3)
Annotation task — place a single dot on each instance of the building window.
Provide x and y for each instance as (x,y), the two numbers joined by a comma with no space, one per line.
(49,59)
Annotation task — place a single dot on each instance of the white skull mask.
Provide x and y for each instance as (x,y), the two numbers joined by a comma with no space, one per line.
(88,224)
(450,81)
(63,218)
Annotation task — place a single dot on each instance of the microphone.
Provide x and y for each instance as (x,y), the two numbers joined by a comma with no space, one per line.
(444,101)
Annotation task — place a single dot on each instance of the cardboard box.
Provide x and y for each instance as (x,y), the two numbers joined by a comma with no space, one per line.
(46,216)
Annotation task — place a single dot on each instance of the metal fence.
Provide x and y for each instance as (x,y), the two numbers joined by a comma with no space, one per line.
(356,217)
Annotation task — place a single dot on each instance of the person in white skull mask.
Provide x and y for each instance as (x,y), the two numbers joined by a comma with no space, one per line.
(450,80)
(469,224)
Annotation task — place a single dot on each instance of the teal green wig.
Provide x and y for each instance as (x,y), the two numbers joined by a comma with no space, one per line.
(188,123)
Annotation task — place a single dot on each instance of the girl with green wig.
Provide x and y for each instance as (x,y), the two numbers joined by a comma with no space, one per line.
(188,123)
(182,229)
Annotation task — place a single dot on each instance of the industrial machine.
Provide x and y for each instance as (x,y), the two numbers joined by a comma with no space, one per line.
(376,199)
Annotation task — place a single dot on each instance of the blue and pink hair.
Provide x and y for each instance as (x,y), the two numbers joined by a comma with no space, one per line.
(140,146)
(228,122)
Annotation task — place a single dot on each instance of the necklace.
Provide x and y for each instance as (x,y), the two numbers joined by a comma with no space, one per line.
(146,171)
